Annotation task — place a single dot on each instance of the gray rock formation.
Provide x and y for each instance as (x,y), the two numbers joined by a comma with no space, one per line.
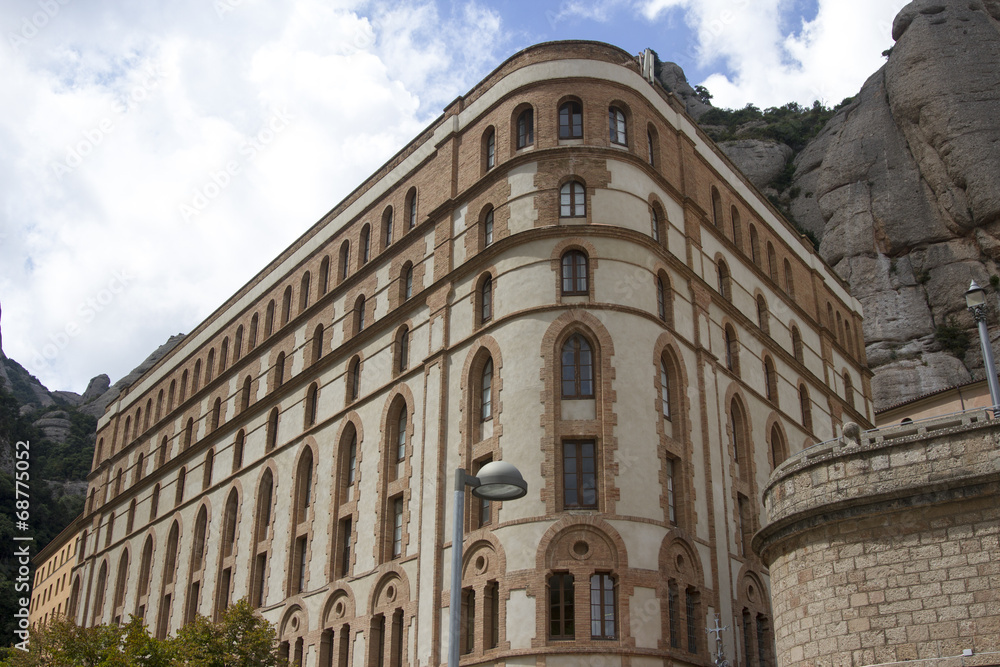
(902,188)
(672,77)
(760,161)
(55,425)
(97,386)
(97,406)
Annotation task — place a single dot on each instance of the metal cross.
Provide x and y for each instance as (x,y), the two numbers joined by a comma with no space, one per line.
(720,658)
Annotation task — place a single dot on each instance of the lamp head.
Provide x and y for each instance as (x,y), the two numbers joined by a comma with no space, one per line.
(499,480)
(975,296)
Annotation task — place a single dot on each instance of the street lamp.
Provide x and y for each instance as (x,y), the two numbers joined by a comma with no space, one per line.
(975,299)
(497,480)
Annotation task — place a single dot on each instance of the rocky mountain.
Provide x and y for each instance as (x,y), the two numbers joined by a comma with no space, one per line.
(901,190)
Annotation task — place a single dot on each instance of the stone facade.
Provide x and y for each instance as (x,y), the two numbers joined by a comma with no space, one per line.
(50,591)
(561,272)
(885,548)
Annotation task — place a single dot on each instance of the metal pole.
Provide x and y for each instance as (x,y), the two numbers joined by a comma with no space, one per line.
(457,535)
(991,369)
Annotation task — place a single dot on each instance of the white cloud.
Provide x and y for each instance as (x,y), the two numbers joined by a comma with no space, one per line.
(259,118)
(827,58)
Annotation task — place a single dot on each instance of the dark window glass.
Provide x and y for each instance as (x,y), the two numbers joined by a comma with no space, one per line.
(561,607)
(575,270)
(571,121)
(577,368)
(579,474)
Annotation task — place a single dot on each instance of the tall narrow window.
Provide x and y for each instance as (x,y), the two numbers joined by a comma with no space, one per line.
(571,121)
(304,291)
(561,625)
(762,315)
(245,394)
(486,300)
(575,274)
(366,244)
(616,126)
(489,150)
(492,608)
(408,283)
(789,280)
(572,200)
(671,498)
(654,219)
(317,343)
(324,276)
(778,450)
(732,349)
(734,216)
(526,128)
(665,388)
(577,368)
(672,614)
(661,300)
(345,259)
(754,246)
(848,389)
(745,524)
(772,262)
(580,475)
(345,547)
(216,414)
(359,314)
(725,282)
(411,208)
(603,621)
(486,387)
(650,156)
(403,343)
(797,345)
(806,406)
(488,228)
(691,611)
(279,370)
(354,379)
(770,380)
(484,509)
(468,634)
(252,335)
(238,344)
(312,399)
(387,226)
(269,319)
(401,442)
(238,450)
(716,207)
(397,527)
(272,430)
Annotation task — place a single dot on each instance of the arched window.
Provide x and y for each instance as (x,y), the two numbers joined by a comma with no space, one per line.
(188,434)
(238,344)
(260,553)
(772,262)
(269,319)
(245,394)
(763,318)
(654,220)
(149,414)
(665,388)
(159,406)
(840,334)
(224,355)
(324,276)
(209,469)
(366,244)
(271,436)
(286,305)
(354,379)
(486,300)
(161,453)
(770,380)
(279,371)
(489,149)
(398,434)
(488,227)
(140,463)
(661,299)
(725,282)
(806,406)
(224,583)
(154,502)
(797,345)
(408,282)
(571,121)
(102,584)
(252,335)
(577,368)
(411,208)
(789,280)
(716,207)
(304,291)
(848,389)
(486,391)
(572,200)
(403,349)
(526,128)
(359,314)
(317,343)
(312,399)
(737,228)
(145,566)
(345,259)
(126,431)
(616,126)
(754,246)
(739,434)
(196,381)
(238,450)
(387,226)
(779,451)
(298,558)
(130,518)
(216,414)
(575,274)
(179,486)
(653,152)
(732,350)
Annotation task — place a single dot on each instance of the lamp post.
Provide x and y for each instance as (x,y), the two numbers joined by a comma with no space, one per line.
(497,480)
(975,300)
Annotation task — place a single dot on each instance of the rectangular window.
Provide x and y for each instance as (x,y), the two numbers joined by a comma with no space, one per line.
(484,509)
(602,607)
(671,500)
(744,524)
(468,638)
(397,527)
(579,474)
(261,578)
(561,607)
(691,609)
(492,609)
(345,547)
(672,611)
(303,563)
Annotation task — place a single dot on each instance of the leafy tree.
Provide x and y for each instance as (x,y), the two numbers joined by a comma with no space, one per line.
(240,639)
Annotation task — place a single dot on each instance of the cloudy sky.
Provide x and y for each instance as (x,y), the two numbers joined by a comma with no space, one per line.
(155,155)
